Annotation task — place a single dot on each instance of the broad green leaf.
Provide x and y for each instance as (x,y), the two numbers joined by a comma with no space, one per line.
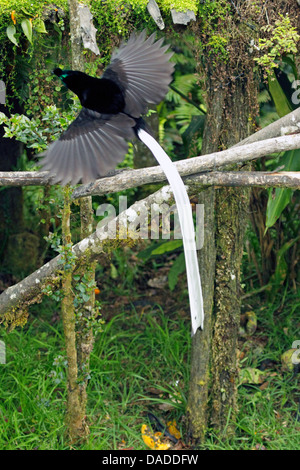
(147,252)
(281,198)
(281,269)
(11,31)
(280,100)
(166,247)
(276,204)
(27,29)
(39,26)
(85,297)
(291,160)
(26,12)
(177,268)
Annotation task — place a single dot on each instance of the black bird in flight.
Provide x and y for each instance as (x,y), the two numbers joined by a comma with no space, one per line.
(97,140)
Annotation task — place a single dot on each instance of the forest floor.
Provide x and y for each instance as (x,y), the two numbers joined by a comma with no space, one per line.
(140,365)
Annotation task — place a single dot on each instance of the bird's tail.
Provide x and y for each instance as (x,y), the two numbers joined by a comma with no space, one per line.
(141,124)
(186,224)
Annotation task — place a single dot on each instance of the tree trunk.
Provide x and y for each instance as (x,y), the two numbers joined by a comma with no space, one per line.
(227,122)
(78,352)
(198,412)
(75,415)
(85,335)
(231,221)
(197,406)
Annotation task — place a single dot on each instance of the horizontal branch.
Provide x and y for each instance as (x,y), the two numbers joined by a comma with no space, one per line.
(133,178)
(25,178)
(287,124)
(284,179)
(125,179)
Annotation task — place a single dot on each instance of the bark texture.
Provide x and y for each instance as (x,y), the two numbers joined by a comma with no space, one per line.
(231,221)
(75,414)
(214,350)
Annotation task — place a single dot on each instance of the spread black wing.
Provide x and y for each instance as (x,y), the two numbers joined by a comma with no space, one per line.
(142,70)
(92,145)
(95,143)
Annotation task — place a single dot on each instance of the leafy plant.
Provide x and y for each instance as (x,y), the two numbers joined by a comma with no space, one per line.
(28,26)
(282,40)
(37,133)
(280,99)
(281,197)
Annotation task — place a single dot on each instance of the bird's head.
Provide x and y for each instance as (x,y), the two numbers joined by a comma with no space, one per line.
(58,72)
(72,79)
(62,74)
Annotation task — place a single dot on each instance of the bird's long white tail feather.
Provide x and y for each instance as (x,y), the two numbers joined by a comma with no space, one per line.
(186,225)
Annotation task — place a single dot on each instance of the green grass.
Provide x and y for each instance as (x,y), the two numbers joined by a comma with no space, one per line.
(140,363)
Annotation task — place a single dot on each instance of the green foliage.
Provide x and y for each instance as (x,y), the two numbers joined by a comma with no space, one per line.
(116,17)
(183,111)
(37,133)
(166,247)
(44,91)
(83,290)
(279,199)
(157,249)
(212,12)
(25,17)
(282,104)
(282,40)
(187,113)
(87,318)
(11,34)
(282,268)
(28,8)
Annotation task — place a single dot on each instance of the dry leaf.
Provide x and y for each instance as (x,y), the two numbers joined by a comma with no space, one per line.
(172,428)
(153,440)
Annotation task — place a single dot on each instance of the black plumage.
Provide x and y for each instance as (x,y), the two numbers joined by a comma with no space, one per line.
(97,140)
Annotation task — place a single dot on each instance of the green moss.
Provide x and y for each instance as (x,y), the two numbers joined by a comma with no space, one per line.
(217,45)
(135,3)
(214,11)
(16,317)
(178,5)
